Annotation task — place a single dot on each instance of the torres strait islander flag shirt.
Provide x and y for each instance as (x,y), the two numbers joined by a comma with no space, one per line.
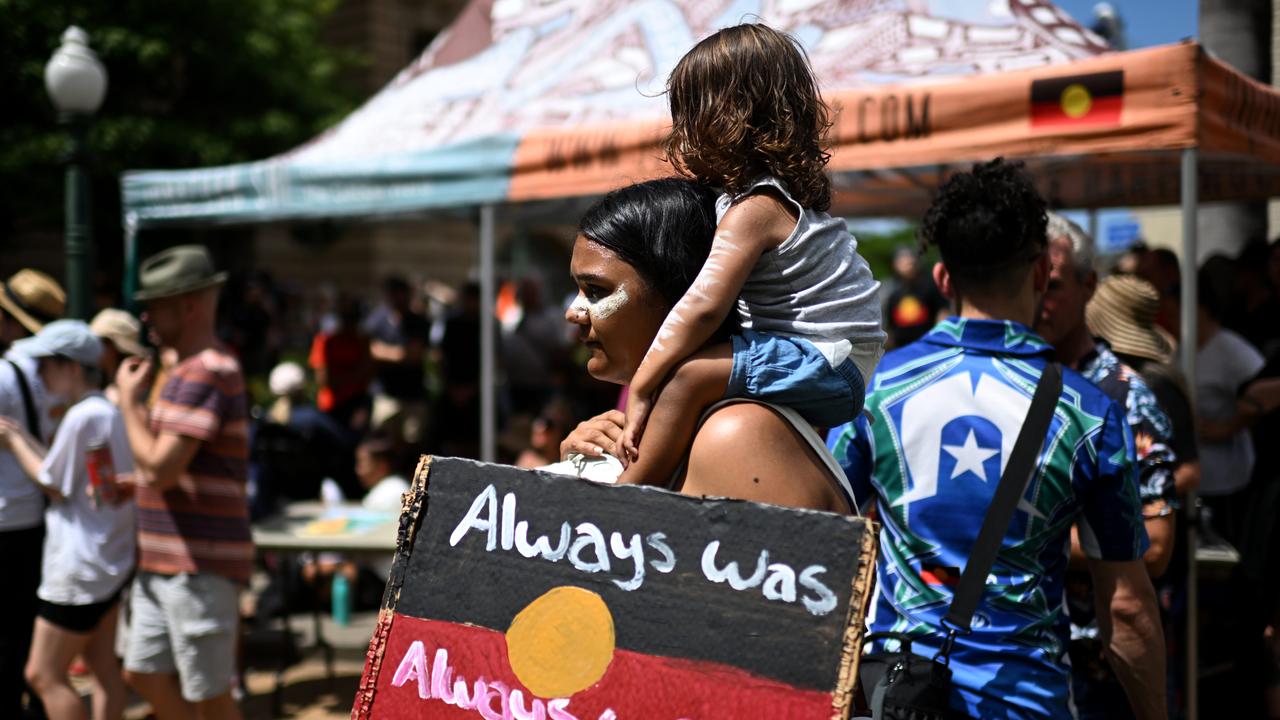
(945,412)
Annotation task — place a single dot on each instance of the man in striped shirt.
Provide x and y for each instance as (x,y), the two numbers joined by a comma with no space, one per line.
(191,450)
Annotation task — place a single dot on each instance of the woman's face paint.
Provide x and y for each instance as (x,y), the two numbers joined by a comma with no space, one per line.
(600,308)
(616,313)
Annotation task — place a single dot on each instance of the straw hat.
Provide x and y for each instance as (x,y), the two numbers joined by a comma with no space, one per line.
(1123,312)
(175,271)
(121,328)
(33,299)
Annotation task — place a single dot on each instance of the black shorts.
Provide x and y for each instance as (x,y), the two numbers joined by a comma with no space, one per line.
(78,618)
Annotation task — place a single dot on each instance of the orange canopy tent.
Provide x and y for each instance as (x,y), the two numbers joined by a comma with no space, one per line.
(523,102)
(1105,131)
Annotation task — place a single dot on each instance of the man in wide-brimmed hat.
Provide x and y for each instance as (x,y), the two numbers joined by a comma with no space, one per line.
(28,300)
(1072,282)
(195,548)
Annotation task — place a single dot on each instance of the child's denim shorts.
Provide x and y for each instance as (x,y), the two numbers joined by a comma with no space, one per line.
(791,371)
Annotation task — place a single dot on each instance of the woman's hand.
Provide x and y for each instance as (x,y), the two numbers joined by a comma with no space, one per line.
(596,436)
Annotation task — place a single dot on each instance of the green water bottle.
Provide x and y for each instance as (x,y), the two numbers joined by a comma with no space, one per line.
(341,599)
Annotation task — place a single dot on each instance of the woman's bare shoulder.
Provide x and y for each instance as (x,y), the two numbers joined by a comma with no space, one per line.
(748,451)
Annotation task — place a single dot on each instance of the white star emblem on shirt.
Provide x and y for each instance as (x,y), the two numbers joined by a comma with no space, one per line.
(969,457)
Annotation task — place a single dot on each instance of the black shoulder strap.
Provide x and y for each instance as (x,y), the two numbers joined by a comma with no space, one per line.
(1013,483)
(28,405)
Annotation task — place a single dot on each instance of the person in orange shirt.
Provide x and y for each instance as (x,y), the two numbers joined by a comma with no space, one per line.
(343,368)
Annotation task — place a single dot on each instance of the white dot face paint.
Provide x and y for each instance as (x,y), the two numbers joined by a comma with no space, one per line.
(602,308)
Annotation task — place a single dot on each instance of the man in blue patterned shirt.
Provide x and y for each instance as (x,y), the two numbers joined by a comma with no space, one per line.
(944,414)
(1072,280)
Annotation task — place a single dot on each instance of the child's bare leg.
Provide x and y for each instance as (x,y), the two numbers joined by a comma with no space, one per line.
(694,385)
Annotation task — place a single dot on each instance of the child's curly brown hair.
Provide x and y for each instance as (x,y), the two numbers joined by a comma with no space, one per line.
(744,103)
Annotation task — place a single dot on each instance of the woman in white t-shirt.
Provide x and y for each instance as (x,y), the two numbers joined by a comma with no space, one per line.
(89,546)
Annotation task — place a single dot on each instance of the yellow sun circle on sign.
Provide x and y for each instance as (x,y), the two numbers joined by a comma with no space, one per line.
(1076,100)
(561,643)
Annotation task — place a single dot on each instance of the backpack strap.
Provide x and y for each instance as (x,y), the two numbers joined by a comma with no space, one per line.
(28,404)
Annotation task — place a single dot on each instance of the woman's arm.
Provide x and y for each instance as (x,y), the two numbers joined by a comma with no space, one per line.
(748,452)
(28,452)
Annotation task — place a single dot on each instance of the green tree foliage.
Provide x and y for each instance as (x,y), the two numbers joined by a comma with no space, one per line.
(191,83)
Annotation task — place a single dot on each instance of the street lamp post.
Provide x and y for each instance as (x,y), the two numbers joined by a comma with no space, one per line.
(77,83)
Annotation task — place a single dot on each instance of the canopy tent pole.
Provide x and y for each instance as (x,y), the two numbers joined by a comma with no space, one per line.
(130,259)
(1093,224)
(488,381)
(1187,349)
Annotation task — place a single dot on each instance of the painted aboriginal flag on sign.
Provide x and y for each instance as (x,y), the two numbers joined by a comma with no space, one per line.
(523,595)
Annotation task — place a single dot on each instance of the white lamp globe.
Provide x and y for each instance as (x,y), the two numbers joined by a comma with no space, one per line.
(75,79)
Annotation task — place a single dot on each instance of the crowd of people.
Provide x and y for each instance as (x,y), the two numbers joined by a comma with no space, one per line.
(741,322)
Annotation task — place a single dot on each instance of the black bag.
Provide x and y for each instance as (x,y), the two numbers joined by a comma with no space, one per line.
(901,685)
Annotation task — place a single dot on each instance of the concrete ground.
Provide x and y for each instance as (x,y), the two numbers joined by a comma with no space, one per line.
(308,694)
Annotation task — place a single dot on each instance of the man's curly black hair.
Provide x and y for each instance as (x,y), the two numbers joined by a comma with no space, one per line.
(986,224)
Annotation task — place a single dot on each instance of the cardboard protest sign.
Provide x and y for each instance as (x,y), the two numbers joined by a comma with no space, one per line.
(522,595)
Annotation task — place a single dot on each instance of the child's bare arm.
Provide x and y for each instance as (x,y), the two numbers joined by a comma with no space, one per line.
(752,226)
(695,384)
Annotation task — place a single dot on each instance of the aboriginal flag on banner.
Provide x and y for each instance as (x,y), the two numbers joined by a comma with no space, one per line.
(520,594)
(1095,99)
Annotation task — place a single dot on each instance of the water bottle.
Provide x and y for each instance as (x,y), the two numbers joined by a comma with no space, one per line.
(341,600)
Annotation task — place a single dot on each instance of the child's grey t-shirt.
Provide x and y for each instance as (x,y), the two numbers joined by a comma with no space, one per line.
(814,286)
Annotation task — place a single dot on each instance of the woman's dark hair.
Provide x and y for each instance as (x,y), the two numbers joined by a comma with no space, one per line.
(744,103)
(988,225)
(662,228)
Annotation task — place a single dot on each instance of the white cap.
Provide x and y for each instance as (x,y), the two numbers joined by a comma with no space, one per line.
(71,339)
(287,378)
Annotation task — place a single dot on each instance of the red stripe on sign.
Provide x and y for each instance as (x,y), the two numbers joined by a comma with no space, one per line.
(1104,110)
(442,670)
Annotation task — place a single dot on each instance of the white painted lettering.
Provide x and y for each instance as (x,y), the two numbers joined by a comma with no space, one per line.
(633,549)
(589,536)
(508,520)
(730,572)
(486,500)
(825,600)
(542,544)
(657,541)
(781,583)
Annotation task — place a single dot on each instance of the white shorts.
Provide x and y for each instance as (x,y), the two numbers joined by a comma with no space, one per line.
(184,625)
